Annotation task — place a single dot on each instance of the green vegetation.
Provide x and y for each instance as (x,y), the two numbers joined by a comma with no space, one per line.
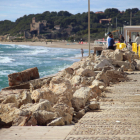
(79,22)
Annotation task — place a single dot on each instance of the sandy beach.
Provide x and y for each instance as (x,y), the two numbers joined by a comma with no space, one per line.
(54,44)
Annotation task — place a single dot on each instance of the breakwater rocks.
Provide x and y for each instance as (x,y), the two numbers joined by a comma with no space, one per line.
(64,98)
(24,76)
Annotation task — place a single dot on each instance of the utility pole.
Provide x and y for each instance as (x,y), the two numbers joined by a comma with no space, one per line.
(116,23)
(89,25)
(130,18)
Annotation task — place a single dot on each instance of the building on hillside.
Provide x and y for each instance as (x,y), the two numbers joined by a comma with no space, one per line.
(37,27)
(57,27)
(10,38)
(27,34)
(99,12)
(105,20)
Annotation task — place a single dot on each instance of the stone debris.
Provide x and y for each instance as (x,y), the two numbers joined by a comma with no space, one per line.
(62,99)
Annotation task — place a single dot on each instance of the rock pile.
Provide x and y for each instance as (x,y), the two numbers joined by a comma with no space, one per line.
(66,97)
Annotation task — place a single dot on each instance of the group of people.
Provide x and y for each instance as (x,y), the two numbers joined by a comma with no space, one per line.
(111,43)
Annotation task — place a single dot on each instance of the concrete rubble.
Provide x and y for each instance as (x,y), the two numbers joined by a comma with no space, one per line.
(62,99)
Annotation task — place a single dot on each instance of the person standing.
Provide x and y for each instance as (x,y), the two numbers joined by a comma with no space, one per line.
(137,39)
(121,38)
(108,38)
(111,43)
(82,51)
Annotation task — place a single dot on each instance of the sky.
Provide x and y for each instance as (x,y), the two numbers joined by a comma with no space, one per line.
(13,9)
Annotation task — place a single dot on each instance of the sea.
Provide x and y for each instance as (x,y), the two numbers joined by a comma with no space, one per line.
(16,58)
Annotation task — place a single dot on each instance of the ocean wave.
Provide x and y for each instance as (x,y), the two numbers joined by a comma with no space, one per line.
(39,52)
(8,45)
(24,46)
(6,60)
(6,72)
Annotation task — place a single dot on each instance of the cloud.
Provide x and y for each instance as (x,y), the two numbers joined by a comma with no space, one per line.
(25,7)
(3,15)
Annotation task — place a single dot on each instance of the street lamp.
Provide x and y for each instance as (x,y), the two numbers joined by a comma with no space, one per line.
(89,25)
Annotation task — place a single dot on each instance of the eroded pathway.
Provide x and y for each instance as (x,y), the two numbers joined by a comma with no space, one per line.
(118,118)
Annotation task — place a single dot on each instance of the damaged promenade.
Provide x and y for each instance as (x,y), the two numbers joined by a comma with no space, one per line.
(101,103)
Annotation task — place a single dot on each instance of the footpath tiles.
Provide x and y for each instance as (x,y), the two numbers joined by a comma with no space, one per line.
(35,133)
(118,118)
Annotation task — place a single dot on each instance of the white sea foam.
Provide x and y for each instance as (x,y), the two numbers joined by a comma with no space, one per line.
(78,55)
(6,60)
(25,46)
(43,51)
(6,72)
(9,45)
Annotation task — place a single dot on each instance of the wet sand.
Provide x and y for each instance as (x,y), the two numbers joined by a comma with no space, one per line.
(54,44)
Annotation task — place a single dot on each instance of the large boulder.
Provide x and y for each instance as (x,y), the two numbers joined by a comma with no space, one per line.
(24,98)
(94,105)
(127,55)
(44,93)
(24,76)
(110,54)
(101,76)
(138,64)
(67,73)
(76,65)
(81,81)
(91,58)
(126,64)
(96,89)
(118,55)
(85,72)
(98,83)
(10,114)
(80,97)
(19,99)
(27,120)
(60,86)
(62,108)
(64,111)
(10,99)
(44,105)
(116,76)
(43,117)
(76,80)
(107,54)
(62,89)
(87,65)
(102,64)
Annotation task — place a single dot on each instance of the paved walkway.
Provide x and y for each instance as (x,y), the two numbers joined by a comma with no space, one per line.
(118,119)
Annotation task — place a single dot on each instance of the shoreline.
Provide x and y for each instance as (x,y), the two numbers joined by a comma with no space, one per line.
(53,45)
(67,45)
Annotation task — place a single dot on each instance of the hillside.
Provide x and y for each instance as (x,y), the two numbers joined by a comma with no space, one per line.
(79,23)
